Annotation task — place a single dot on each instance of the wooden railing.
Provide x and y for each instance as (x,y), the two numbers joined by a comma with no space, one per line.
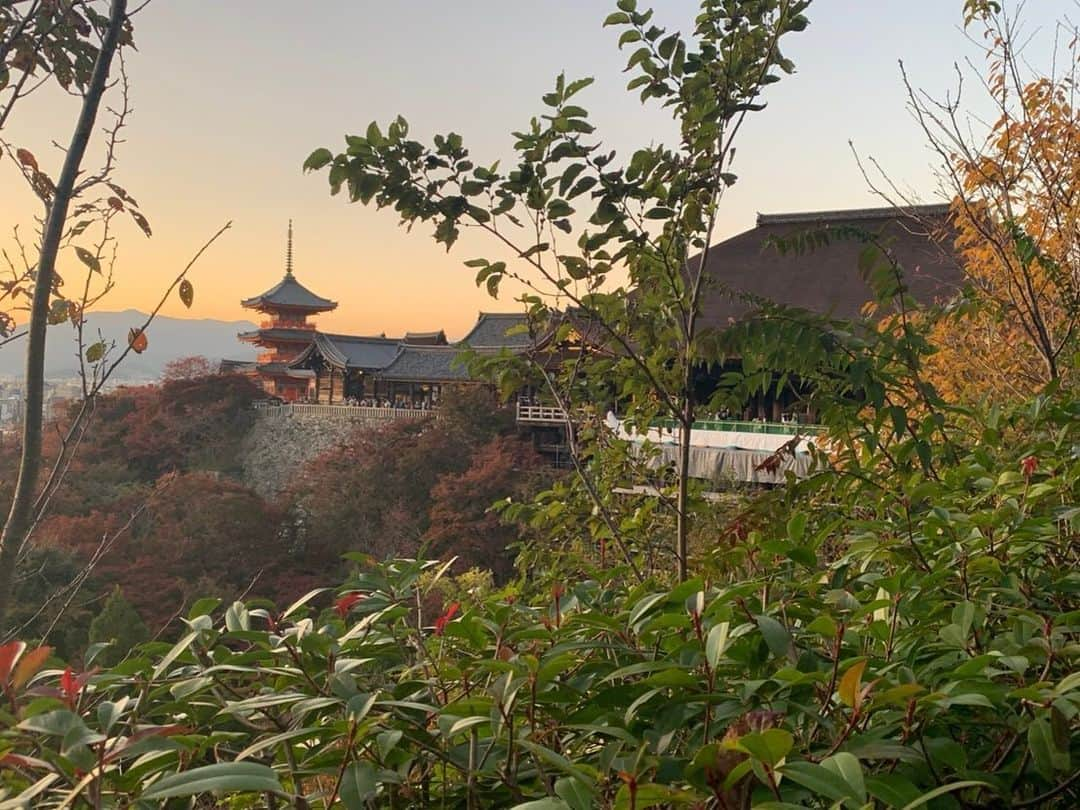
(339,413)
(548,414)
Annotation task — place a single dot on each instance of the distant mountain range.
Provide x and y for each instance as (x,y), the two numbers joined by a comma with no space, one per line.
(169,339)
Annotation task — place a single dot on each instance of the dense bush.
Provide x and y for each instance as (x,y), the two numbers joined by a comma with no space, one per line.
(918,648)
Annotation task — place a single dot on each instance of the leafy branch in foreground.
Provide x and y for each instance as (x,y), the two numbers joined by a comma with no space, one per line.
(568,217)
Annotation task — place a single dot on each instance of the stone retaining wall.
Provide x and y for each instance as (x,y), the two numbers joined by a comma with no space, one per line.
(276,449)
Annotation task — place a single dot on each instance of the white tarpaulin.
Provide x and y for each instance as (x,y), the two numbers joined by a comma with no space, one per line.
(719,454)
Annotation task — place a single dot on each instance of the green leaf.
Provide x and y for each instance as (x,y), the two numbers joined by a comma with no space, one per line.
(941,791)
(274,739)
(229,777)
(821,780)
(575,793)
(1044,750)
(537,248)
(796,527)
(716,642)
(549,803)
(88,258)
(892,789)
(848,767)
(317,159)
(651,795)
(770,746)
(776,636)
(576,86)
(95,351)
(358,785)
(465,723)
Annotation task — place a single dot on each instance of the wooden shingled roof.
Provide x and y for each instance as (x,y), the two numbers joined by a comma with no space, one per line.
(491,328)
(437,338)
(366,353)
(292,294)
(427,364)
(826,280)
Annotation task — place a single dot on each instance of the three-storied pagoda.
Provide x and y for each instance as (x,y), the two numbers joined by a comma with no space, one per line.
(285,333)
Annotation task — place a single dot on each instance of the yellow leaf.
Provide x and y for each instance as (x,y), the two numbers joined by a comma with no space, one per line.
(849,689)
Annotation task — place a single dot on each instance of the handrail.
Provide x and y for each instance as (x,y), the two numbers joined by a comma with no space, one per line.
(742,426)
(539,413)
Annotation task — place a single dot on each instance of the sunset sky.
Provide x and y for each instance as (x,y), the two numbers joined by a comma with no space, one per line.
(230,96)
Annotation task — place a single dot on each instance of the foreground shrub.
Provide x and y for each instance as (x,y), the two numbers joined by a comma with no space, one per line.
(876,640)
(877,658)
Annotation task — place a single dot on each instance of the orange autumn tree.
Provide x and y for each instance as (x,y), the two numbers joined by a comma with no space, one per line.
(1015,193)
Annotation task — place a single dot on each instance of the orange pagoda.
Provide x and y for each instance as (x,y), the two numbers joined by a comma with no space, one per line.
(285,332)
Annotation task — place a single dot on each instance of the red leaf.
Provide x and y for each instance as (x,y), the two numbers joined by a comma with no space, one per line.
(442,621)
(20,761)
(26,158)
(345,603)
(9,654)
(1029,465)
(71,687)
(137,340)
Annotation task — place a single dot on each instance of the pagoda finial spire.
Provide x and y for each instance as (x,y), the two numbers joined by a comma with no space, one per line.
(288,252)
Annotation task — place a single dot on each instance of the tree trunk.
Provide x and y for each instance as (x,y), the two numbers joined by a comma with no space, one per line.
(682,529)
(21,516)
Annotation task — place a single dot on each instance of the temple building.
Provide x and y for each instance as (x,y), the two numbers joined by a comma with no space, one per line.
(408,372)
(284,333)
(388,377)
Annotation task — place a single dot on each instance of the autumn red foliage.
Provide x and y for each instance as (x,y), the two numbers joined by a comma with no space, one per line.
(156,483)
(188,368)
(461,521)
(414,486)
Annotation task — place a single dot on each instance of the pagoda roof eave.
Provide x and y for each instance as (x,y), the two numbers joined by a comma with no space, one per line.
(289,294)
(261,304)
(278,335)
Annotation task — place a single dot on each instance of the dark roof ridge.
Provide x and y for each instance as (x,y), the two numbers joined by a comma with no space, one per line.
(414,347)
(357,338)
(844,215)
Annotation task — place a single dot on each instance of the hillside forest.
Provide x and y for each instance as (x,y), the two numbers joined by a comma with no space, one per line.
(430,615)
